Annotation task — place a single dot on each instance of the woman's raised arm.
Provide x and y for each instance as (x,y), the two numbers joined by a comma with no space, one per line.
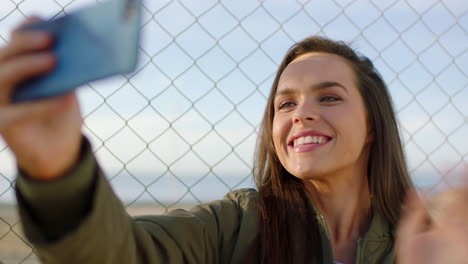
(68,209)
(45,136)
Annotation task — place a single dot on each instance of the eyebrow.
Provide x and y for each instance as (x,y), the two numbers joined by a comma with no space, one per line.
(319,86)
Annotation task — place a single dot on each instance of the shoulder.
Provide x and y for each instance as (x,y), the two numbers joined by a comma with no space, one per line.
(236,202)
(240,198)
(246,198)
(244,194)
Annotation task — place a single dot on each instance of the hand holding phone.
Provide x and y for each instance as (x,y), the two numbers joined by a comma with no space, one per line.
(90,44)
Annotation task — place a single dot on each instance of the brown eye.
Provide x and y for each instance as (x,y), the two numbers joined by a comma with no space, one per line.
(328,98)
(286,105)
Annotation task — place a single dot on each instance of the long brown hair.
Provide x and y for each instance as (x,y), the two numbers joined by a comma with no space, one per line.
(283,196)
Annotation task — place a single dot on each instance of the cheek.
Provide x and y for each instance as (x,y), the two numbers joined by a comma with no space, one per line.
(354,127)
(279,132)
(275,133)
(348,122)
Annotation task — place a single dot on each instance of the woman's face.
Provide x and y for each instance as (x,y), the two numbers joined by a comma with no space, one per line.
(319,126)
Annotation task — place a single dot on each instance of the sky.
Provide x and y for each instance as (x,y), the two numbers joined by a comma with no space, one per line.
(192,107)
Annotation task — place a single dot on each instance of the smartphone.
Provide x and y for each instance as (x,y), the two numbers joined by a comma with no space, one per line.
(90,44)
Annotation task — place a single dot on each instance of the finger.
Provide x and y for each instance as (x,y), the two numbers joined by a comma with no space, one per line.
(454,211)
(16,71)
(412,223)
(24,42)
(31,110)
(29,21)
(451,206)
(415,219)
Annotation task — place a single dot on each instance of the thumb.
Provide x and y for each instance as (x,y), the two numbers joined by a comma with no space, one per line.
(414,218)
(29,21)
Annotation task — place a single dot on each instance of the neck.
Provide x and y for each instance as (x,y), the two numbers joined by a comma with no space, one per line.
(345,202)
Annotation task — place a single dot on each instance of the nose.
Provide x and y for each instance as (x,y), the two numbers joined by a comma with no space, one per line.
(305,113)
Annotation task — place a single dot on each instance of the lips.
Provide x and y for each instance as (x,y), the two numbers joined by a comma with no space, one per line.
(308,138)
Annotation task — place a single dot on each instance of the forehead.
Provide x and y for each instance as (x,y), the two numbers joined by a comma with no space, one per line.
(316,67)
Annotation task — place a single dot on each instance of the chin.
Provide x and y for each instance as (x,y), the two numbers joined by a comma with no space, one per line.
(308,173)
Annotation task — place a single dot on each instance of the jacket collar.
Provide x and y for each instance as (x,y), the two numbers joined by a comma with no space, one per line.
(379,228)
(374,247)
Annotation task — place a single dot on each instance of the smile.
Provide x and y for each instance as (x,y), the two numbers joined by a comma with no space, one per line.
(310,140)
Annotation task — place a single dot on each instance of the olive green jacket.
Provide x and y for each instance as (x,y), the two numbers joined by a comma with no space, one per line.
(79,219)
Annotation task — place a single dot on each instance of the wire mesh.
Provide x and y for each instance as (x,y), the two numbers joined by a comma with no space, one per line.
(181,129)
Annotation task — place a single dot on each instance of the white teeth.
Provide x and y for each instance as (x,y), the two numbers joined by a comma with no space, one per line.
(308,140)
(300,141)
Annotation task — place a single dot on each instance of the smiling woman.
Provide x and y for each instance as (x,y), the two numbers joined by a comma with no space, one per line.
(329,169)
(318,107)
(325,92)
(332,115)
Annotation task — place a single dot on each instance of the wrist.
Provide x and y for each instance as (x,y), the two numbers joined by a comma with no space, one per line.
(48,169)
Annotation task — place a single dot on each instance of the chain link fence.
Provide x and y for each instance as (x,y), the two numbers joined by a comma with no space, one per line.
(181,129)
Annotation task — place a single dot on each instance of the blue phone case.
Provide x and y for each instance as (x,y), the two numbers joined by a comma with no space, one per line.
(90,44)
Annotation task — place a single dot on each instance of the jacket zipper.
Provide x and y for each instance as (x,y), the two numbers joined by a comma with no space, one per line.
(330,246)
(358,249)
(327,233)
